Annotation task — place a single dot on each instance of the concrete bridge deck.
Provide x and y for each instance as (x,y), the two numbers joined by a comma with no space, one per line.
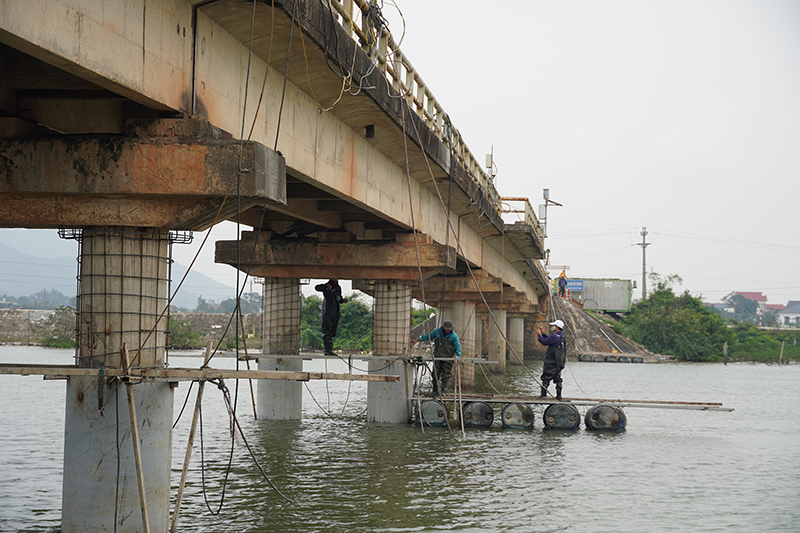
(121,122)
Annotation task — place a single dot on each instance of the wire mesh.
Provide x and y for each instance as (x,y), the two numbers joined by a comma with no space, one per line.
(391,318)
(123,290)
(281,317)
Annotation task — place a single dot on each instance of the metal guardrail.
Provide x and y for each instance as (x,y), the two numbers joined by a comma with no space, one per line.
(405,79)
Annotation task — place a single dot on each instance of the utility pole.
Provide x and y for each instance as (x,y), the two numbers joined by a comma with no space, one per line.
(644,244)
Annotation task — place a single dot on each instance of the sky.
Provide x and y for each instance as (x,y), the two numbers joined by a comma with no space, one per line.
(679,116)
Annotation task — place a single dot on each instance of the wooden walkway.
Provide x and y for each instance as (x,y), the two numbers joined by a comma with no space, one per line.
(589,402)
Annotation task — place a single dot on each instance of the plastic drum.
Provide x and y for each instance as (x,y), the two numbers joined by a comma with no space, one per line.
(605,417)
(477,415)
(430,413)
(561,416)
(517,416)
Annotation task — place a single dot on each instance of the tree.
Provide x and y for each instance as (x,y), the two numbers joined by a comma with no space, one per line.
(205,306)
(311,322)
(355,326)
(58,330)
(744,309)
(418,315)
(183,336)
(676,325)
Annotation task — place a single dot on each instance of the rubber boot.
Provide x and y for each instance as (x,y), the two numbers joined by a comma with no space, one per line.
(328,346)
(558,391)
(543,393)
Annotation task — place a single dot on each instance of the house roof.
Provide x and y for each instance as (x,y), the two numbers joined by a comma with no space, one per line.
(775,307)
(792,308)
(755,296)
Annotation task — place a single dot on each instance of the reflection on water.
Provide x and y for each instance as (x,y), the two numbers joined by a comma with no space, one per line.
(670,471)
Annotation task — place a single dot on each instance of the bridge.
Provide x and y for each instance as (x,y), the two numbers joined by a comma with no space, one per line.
(128,125)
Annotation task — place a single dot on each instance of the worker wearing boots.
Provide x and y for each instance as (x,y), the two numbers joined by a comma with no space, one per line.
(445,346)
(332,297)
(555,358)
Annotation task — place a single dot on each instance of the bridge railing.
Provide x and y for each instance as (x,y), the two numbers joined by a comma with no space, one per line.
(521,211)
(364,24)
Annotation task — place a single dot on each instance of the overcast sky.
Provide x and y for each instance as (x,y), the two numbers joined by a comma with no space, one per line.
(681,116)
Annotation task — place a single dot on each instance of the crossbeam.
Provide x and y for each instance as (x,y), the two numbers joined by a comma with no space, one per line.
(184,374)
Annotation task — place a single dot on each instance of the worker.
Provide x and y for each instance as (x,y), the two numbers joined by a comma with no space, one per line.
(332,297)
(555,358)
(446,346)
(562,285)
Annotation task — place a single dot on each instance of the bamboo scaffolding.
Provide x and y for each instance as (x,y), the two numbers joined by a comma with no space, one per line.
(184,374)
(137,451)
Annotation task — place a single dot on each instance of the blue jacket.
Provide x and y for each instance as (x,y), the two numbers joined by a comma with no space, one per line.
(452,337)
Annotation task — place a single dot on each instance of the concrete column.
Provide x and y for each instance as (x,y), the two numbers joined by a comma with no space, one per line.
(124,289)
(388,402)
(516,340)
(277,399)
(462,314)
(497,345)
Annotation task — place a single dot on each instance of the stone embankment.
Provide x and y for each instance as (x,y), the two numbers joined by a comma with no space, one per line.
(586,334)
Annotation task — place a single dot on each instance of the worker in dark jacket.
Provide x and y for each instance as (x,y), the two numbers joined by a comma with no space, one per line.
(332,297)
(446,346)
(555,358)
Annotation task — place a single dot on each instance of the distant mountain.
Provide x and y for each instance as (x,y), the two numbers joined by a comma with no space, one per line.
(23,274)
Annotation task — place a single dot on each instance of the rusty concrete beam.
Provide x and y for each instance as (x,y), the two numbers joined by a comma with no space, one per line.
(168,182)
(352,260)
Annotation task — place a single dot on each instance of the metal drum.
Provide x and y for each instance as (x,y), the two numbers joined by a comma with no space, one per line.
(477,415)
(561,416)
(517,416)
(430,413)
(637,359)
(624,359)
(611,359)
(585,357)
(605,417)
(598,358)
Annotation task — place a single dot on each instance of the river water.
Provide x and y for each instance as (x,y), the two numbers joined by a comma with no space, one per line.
(671,470)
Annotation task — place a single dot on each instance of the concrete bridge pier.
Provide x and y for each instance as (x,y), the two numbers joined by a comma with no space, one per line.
(516,339)
(497,344)
(123,291)
(388,402)
(277,399)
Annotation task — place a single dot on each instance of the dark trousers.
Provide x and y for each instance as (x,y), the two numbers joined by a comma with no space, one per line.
(442,371)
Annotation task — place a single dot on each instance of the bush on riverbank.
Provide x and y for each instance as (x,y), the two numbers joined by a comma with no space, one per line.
(681,326)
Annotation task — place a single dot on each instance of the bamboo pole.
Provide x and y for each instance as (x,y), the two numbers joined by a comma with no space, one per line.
(187,458)
(247,360)
(137,452)
(780,359)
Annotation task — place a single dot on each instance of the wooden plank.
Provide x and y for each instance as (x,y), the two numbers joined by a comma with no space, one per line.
(654,404)
(187,374)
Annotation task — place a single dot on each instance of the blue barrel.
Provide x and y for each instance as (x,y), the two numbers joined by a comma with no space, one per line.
(585,357)
(517,416)
(611,359)
(605,417)
(624,359)
(477,415)
(637,359)
(561,416)
(598,358)
(430,413)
